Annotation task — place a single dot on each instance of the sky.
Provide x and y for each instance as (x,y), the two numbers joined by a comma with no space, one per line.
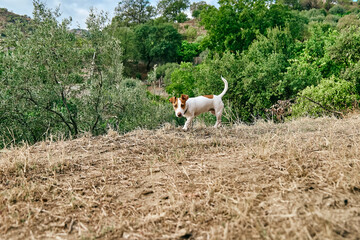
(78,10)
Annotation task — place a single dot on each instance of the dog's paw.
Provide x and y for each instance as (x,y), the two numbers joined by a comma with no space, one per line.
(184,129)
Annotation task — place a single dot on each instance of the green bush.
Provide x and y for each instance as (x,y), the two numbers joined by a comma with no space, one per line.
(299,75)
(208,75)
(165,70)
(188,51)
(348,21)
(182,81)
(332,20)
(352,74)
(345,49)
(333,94)
(52,85)
(132,108)
(190,33)
(315,15)
(337,10)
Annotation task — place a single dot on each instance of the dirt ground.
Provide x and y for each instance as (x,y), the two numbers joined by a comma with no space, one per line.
(297,180)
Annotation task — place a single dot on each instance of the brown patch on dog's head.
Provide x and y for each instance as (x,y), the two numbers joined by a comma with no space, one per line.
(183,100)
(174,102)
(209,96)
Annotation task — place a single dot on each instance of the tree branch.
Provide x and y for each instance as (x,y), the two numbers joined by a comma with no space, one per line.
(97,103)
(73,122)
(323,107)
(48,108)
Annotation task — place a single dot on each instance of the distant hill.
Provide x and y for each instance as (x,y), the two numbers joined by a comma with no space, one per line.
(7,17)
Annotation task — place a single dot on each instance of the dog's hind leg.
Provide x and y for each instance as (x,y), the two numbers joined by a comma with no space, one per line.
(218,118)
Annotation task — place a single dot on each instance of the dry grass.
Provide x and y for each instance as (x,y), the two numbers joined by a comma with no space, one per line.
(298,180)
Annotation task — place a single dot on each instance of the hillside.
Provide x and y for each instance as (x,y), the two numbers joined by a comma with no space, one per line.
(191,29)
(297,180)
(7,17)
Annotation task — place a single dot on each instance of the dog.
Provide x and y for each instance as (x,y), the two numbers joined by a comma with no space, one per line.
(192,107)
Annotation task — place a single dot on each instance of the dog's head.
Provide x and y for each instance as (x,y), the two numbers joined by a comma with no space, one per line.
(179,104)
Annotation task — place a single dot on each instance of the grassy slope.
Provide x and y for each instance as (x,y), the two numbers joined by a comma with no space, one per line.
(298,180)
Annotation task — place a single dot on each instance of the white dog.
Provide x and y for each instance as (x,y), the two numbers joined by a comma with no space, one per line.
(191,107)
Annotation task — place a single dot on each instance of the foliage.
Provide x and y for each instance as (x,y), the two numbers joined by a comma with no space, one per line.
(261,82)
(254,77)
(172,10)
(188,51)
(197,7)
(126,36)
(332,19)
(182,81)
(190,33)
(133,109)
(293,4)
(131,12)
(299,75)
(348,21)
(53,82)
(181,17)
(314,48)
(346,48)
(157,42)
(333,94)
(279,16)
(310,4)
(234,26)
(315,15)
(164,71)
(352,74)
(37,79)
(337,10)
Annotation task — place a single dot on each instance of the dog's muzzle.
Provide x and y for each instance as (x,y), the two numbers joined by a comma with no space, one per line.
(179,115)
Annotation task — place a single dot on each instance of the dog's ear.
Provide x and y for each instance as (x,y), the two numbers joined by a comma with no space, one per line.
(172,100)
(184,97)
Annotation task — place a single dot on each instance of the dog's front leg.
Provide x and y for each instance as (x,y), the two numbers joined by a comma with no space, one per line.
(187,123)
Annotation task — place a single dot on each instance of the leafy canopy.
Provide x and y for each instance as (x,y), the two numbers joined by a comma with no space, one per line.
(172,10)
(235,25)
(134,12)
(157,42)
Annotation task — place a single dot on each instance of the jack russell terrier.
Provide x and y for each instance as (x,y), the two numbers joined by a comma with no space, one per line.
(191,107)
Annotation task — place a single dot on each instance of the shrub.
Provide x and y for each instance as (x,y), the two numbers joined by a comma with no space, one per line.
(346,48)
(188,51)
(51,84)
(315,15)
(131,108)
(334,94)
(299,75)
(182,81)
(164,71)
(352,74)
(332,20)
(190,33)
(347,21)
(337,10)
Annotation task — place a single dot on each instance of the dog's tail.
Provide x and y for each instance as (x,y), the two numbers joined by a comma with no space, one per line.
(225,88)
